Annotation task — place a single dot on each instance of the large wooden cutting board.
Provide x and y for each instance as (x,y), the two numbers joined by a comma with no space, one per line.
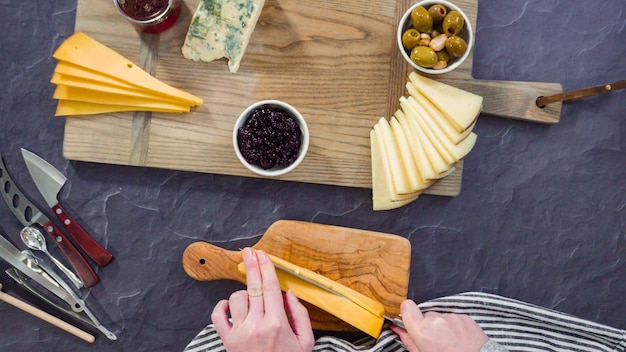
(373,263)
(336,61)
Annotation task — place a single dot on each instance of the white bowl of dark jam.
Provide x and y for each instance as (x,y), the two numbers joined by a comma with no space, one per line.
(270,138)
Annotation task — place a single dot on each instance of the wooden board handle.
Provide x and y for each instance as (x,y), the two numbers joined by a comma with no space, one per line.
(205,262)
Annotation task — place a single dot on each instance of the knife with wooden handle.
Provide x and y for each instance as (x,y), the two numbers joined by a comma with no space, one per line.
(28,214)
(49,182)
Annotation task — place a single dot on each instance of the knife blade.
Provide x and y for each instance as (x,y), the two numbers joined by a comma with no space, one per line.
(280,266)
(28,214)
(49,182)
(20,261)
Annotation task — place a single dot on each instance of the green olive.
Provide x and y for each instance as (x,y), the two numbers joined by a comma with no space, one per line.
(438,12)
(422,20)
(424,56)
(453,23)
(443,55)
(410,38)
(456,46)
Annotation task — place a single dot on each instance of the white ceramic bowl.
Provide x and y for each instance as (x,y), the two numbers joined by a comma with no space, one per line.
(304,146)
(467,34)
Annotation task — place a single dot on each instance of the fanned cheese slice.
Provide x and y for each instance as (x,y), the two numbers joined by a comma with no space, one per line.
(460,107)
(391,153)
(382,188)
(446,127)
(424,166)
(222,28)
(83,51)
(416,180)
(342,307)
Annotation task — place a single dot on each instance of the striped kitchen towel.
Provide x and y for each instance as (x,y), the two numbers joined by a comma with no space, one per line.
(517,325)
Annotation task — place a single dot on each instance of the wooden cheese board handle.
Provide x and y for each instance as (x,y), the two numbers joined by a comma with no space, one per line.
(205,262)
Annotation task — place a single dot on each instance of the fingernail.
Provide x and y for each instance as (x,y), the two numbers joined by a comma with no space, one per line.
(248,254)
(263,258)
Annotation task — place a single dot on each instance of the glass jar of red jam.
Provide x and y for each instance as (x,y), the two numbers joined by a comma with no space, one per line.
(150,16)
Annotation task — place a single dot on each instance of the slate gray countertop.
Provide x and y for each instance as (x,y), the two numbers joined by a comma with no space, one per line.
(541,216)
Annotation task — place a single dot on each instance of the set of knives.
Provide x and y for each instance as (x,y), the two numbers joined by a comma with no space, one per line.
(33,273)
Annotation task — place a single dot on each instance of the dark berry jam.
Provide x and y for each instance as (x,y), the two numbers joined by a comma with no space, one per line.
(142,9)
(269,138)
(150,16)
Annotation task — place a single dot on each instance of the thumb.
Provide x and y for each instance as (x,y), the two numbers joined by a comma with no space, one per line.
(411,314)
(300,322)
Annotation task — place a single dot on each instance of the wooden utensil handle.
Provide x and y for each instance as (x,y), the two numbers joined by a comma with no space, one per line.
(580,93)
(205,262)
(78,262)
(46,317)
(91,247)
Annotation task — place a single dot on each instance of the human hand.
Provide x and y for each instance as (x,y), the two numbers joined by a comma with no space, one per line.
(261,319)
(435,332)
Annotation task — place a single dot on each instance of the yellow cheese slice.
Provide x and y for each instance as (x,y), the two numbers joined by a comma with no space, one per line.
(91,96)
(71,70)
(460,107)
(415,178)
(443,123)
(79,82)
(72,108)
(81,50)
(339,306)
(381,180)
(389,146)
(424,166)
(428,122)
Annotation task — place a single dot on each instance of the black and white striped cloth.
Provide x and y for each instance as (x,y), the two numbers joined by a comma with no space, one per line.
(516,325)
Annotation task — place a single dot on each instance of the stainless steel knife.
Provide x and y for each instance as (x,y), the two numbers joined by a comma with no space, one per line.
(397,320)
(21,262)
(49,182)
(28,214)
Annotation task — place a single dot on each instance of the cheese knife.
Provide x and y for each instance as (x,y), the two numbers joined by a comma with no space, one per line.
(28,214)
(49,182)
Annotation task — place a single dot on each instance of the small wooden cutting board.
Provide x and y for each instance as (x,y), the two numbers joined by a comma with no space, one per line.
(372,263)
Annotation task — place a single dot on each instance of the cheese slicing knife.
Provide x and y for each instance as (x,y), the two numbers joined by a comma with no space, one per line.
(49,182)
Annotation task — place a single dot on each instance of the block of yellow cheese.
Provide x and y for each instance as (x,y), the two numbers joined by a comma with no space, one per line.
(83,51)
(63,92)
(339,305)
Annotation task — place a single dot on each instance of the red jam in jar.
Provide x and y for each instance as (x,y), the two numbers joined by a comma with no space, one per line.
(150,16)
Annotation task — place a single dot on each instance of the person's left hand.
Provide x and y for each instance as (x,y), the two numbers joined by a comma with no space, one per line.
(261,320)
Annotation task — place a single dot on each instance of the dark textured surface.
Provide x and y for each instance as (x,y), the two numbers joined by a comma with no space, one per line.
(541,216)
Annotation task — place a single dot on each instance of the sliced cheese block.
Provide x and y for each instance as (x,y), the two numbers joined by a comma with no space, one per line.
(431,126)
(67,69)
(415,178)
(79,82)
(98,97)
(381,180)
(433,154)
(222,28)
(424,166)
(73,108)
(81,50)
(442,122)
(391,150)
(460,107)
(341,307)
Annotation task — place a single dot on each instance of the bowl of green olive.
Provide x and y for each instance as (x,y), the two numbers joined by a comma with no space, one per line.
(435,37)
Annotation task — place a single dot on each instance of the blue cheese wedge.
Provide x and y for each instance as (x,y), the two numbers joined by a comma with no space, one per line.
(222,28)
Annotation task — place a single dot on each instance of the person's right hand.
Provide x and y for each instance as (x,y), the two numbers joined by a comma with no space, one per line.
(435,332)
